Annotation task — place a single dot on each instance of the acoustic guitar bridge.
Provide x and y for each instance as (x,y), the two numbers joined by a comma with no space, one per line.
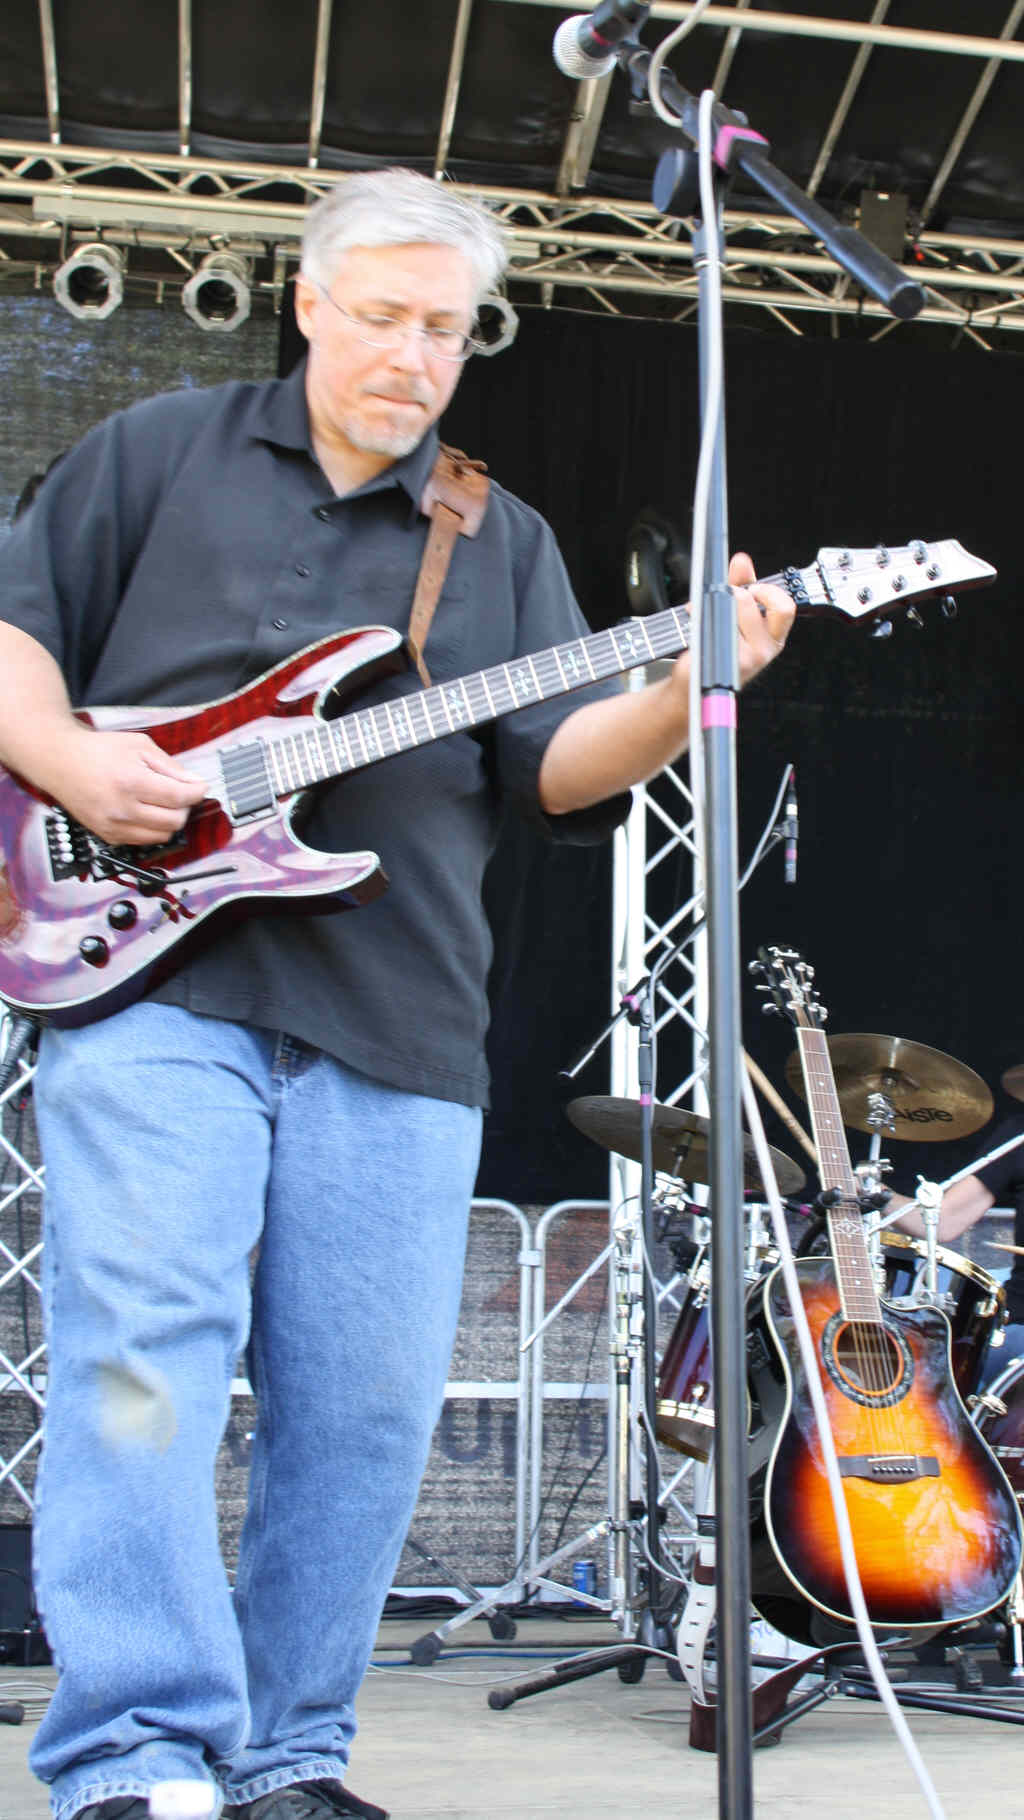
(889,1468)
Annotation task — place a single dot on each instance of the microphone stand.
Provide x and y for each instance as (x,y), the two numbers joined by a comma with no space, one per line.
(734,146)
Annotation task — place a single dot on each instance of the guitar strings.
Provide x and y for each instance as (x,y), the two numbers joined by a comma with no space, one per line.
(870,1345)
(867,1360)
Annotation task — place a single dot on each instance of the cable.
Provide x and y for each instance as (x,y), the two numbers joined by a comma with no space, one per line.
(810,1365)
(712,410)
(770,827)
(657,64)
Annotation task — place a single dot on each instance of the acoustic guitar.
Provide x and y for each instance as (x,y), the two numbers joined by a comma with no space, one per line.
(936,1527)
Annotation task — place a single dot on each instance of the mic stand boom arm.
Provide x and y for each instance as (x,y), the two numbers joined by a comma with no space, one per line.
(737,147)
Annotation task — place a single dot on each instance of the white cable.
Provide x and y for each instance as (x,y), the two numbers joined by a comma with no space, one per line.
(657,63)
(835,1484)
(702,490)
(702,487)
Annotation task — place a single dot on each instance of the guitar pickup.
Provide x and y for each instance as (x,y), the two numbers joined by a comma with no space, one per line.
(247,781)
(889,1468)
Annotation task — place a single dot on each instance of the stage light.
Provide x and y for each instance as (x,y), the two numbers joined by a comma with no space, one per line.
(496,325)
(217,296)
(90,284)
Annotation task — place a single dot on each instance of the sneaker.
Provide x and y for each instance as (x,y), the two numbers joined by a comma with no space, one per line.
(305,1801)
(124,1807)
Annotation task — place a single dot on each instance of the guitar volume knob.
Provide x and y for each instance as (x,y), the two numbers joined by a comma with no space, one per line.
(122,915)
(94,950)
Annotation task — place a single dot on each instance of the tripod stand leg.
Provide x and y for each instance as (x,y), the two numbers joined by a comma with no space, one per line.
(595,1662)
(426,1649)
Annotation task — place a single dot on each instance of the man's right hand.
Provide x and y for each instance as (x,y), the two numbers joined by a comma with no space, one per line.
(121,785)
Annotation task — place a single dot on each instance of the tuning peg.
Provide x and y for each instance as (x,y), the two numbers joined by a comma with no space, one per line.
(883,629)
(948,607)
(755,967)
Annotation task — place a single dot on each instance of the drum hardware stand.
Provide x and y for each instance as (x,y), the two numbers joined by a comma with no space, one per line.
(626,1347)
(881,1116)
(1015,1623)
(427,1649)
(926,1191)
(928,1199)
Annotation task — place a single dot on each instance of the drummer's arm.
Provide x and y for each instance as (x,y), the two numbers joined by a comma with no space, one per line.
(962,1205)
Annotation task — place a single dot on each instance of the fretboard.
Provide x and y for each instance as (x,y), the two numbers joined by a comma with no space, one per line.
(845,1220)
(362,737)
(365,735)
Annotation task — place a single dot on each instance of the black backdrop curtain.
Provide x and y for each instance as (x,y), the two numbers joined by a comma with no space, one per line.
(908,751)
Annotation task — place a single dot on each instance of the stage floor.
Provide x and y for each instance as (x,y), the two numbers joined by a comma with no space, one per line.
(430,1748)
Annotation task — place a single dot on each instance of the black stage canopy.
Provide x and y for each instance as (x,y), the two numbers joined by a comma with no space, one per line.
(170,130)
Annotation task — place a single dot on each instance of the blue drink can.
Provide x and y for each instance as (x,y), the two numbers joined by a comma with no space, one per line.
(584,1578)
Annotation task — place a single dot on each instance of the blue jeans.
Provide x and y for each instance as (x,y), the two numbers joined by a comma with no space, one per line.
(175,1144)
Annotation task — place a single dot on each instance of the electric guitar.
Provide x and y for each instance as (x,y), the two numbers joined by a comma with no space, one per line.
(936,1527)
(86,927)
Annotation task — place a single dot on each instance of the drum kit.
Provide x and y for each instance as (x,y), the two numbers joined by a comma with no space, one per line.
(884,1084)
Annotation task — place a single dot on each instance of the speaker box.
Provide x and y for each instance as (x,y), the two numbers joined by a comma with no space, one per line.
(16,1602)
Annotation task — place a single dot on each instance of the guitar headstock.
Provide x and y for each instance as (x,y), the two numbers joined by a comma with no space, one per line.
(867,584)
(788,981)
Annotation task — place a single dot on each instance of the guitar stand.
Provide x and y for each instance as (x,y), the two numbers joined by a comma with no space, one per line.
(772,1710)
(842,1671)
(997,1702)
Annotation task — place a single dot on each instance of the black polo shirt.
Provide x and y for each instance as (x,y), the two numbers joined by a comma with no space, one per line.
(191,542)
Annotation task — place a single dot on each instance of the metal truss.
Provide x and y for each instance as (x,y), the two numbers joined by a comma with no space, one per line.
(577,251)
(652,916)
(582,251)
(22,1351)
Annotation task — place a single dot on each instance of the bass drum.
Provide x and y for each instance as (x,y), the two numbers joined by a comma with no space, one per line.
(1005,1432)
(973,1301)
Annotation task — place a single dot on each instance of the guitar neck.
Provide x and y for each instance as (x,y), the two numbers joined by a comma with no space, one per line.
(845,1220)
(367,735)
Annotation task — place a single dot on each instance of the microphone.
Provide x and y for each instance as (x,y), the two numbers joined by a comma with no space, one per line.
(585,45)
(791,831)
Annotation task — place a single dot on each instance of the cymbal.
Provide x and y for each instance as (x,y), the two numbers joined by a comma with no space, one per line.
(1013,1082)
(679,1141)
(997,1245)
(934,1098)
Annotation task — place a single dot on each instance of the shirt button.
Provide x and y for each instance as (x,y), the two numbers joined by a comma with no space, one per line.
(322,512)
(301,569)
(279,624)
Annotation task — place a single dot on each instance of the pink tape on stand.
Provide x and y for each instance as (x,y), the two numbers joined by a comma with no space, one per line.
(719,710)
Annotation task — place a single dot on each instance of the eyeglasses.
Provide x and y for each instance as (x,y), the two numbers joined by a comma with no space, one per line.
(389,332)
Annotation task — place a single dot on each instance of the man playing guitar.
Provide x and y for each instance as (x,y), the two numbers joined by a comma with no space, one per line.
(308,1084)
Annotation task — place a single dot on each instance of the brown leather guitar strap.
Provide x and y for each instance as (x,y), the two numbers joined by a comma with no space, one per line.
(455,500)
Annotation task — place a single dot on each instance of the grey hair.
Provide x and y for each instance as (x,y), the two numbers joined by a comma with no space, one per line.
(397,207)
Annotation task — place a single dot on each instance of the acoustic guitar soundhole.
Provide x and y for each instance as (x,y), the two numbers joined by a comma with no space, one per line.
(869,1362)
